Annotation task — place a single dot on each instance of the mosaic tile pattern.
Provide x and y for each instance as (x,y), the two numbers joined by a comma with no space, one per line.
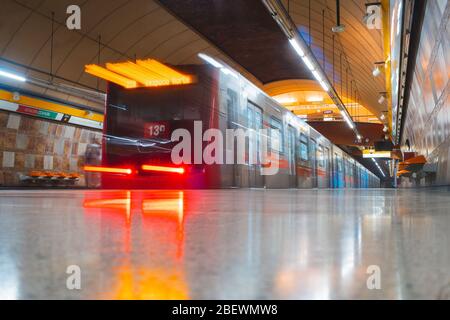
(29,143)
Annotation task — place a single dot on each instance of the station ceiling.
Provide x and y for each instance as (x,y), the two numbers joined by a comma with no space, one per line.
(241,32)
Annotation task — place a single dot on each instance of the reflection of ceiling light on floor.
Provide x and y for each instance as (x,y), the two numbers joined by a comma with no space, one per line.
(314,99)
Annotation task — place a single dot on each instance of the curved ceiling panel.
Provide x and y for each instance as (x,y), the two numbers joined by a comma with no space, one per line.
(143,28)
(127,29)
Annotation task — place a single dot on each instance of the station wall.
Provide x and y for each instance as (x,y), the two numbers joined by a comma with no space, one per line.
(427,123)
(29,143)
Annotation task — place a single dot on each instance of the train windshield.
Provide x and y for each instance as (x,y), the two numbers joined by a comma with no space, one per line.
(147,114)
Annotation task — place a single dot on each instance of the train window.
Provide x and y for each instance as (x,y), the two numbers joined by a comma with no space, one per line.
(231,105)
(255,122)
(276,135)
(303,147)
(320,157)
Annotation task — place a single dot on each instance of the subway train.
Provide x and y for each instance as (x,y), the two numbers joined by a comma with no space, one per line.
(138,145)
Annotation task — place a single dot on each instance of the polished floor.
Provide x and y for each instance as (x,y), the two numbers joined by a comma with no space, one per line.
(226,244)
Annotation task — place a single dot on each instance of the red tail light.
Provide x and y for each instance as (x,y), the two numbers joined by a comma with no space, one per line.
(147,167)
(108,170)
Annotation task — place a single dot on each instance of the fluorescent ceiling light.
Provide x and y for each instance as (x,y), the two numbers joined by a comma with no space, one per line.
(285,100)
(349,123)
(314,99)
(12,76)
(378,166)
(317,75)
(308,63)
(296,47)
(324,86)
(210,60)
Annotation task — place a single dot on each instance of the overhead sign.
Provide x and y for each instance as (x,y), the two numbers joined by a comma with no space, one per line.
(376,154)
(50,115)
(37,112)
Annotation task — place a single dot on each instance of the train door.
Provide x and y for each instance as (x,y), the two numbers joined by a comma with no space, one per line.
(321,170)
(338,177)
(255,123)
(232,108)
(291,157)
(327,167)
(313,157)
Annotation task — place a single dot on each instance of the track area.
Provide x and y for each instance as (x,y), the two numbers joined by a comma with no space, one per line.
(225,244)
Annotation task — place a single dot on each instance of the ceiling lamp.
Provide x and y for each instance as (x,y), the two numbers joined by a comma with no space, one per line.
(338,27)
(377,69)
(382,97)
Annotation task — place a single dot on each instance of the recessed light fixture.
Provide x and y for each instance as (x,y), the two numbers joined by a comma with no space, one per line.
(314,99)
(285,100)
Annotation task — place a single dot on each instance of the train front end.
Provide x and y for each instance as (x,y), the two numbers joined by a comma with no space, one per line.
(139,123)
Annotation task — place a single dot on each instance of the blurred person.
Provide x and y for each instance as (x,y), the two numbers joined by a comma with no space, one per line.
(93,157)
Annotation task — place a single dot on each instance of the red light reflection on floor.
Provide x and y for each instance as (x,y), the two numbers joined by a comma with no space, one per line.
(158,218)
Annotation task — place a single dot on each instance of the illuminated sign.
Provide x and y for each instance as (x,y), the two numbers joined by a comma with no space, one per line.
(50,115)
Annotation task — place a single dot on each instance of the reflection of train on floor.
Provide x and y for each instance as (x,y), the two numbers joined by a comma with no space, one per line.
(139,123)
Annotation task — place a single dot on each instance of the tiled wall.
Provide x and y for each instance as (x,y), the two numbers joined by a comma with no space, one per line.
(28,143)
(427,123)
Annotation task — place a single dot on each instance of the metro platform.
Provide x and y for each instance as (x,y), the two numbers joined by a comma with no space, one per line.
(225,244)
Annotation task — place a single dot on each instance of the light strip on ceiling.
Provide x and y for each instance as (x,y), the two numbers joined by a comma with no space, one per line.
(279,14)
(110,76)
(12,76)
(378,166)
